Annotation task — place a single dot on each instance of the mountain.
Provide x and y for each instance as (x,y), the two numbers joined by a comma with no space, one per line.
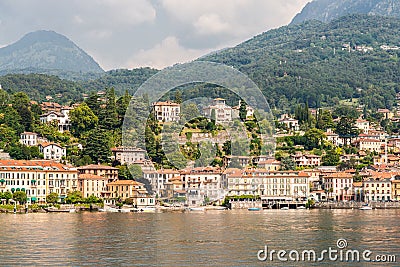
(327,10)
(322,63)
(46,52)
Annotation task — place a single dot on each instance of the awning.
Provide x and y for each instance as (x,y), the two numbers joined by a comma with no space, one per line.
(33,181)
(2,180)
(23,189)
(17,189)
(12,190)
(33,198)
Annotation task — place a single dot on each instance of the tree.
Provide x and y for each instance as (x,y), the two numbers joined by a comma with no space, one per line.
(26,117)
(314,138)
(92,199)
(189,111)
(243,110)
(331,158)
(135,170)
(345,129)
(98,146)
(287,164)
(52,198)
(108,115)
(178,97)
(74,197)
(7,195)
(20,196)
(213,116)
(82,120)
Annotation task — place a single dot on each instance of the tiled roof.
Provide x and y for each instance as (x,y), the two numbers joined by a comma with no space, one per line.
(88,176)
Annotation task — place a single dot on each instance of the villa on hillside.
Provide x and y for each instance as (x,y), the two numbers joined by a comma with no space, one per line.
(223,112)
(166,111)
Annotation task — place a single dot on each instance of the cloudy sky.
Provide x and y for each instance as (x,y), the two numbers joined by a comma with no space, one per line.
(155,33)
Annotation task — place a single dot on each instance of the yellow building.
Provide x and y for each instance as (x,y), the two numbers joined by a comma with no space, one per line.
(90,184)
(37,178)
(128,189)
(108,172)
(396,188)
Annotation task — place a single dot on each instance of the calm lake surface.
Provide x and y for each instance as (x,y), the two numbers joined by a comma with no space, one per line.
(211,238)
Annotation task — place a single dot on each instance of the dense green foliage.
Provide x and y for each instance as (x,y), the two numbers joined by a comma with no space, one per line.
(306,63)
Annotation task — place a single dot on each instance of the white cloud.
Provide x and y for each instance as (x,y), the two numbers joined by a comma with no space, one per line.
(211,24)
(166,53)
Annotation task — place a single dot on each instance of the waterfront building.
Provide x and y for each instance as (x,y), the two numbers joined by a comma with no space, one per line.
(158,179)
(37,178)
(396,188)
(90,184)
(339,185)
(122,190)
(377,189)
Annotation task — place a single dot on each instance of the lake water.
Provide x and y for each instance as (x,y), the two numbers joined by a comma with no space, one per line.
(211,238)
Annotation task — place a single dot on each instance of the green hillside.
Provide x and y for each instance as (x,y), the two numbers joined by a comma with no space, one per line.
(311,63)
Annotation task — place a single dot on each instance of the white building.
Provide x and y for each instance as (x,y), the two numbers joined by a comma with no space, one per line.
(369,144)
(166,111)
(158,179)
(62,118)
(362,125)
(290,123)
(52,151)
(29,138)
(223,112)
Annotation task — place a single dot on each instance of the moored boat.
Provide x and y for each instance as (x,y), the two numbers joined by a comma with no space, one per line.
(197,209)
(254,209)
(366,207)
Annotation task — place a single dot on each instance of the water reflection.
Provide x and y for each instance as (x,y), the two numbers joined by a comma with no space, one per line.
(219,238)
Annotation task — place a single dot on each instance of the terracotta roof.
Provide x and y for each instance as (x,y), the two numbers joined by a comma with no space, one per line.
(166,103)
(10,164)
(29,133)
(339,175)
(46,144)
(88,176)
(126,182)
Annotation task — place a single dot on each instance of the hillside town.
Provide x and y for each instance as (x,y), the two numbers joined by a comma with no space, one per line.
(358,164)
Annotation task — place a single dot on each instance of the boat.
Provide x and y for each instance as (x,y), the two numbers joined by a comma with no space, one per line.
(254,209)
(284,208)
(53,209)
(197,209)
(366,207)
(301,208)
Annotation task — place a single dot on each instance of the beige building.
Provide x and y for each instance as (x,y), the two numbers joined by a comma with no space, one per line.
(223,112)
(110,173)
(29,139)
(303,160)
(37,178)
(377,189)
(129,189)
(158,179)
(369,144)
(166,111)
(90,184)
(128,155)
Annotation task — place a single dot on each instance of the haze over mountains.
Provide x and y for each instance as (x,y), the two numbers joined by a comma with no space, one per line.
(46,52)
(327,10)
(315,62)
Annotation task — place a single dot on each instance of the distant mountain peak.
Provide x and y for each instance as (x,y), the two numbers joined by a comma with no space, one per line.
(46,51)
(327,10)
